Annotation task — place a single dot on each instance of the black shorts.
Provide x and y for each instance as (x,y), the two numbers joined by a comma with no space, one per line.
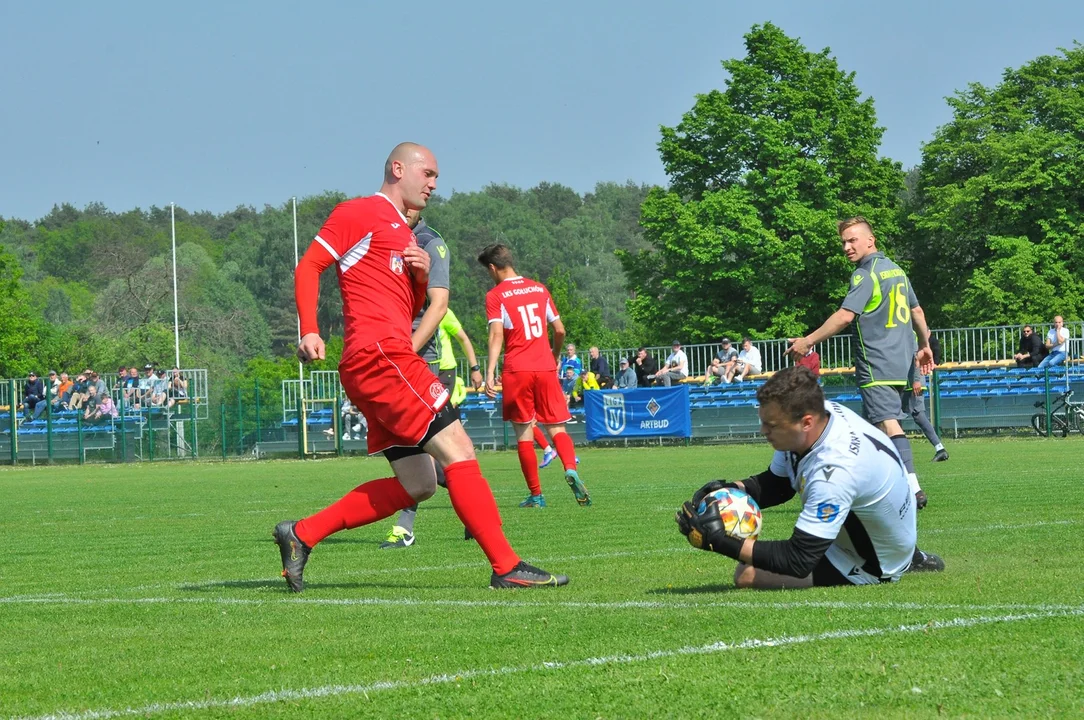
(825,574)
(441,420)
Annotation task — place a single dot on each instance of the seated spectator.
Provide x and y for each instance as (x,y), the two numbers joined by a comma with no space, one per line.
(749,362)
(102,408)
(645,367)
(1057,344)
(129,384)
(91,403)
(600,368)
(676,367)
(626,376)
(33,397)
(812,360)
(96,381)
(568,382)
(159,388)
(1031,350)
(80,392)
(178,387)
(584,382)
(146,385)
(63,392)
(571,360)
(723,361)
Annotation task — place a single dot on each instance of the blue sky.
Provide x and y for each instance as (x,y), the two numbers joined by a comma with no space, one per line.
(215,104)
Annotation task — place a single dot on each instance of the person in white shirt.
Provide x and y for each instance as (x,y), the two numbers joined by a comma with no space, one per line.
(676,368)
(857,521)
(1057,343)
(749,362)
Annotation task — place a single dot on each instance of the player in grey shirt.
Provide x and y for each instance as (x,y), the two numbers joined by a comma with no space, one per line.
(887,322)
(424,339)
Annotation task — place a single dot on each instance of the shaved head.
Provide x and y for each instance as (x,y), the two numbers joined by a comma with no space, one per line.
(410,176)
(404,153)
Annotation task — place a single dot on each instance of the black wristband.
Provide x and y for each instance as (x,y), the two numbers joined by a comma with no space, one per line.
(726,545)
(476,368)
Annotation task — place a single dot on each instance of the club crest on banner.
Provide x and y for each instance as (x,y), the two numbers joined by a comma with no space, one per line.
(614,407)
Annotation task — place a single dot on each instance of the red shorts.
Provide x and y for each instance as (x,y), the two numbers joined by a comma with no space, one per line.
(527,396)
(395,390)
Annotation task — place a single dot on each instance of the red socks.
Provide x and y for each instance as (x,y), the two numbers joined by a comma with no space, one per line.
(474,504)
(367,503)
(565,450)
(529,465)
(540,438)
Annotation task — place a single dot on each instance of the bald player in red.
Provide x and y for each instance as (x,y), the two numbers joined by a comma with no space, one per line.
(382,277)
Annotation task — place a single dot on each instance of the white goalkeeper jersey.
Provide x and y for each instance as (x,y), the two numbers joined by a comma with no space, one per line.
(854,491)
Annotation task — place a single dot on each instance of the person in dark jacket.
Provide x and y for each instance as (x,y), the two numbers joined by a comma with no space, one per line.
(1031,350)
(33,397)
(646,367)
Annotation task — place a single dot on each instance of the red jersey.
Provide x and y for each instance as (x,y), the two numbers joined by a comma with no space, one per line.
(366,238)
(525,309)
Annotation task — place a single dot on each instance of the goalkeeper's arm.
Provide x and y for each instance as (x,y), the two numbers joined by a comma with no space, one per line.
(767,489)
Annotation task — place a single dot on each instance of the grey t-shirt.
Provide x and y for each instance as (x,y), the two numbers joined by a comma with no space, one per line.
(884,342)
(439,270)
(725,355)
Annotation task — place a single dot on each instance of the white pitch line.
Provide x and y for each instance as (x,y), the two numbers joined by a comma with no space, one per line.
(567,604)
(275,696)
(999,526)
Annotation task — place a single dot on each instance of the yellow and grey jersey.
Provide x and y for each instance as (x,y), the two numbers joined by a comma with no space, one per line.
(881,297)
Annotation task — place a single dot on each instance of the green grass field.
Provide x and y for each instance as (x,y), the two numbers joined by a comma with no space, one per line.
(153,591)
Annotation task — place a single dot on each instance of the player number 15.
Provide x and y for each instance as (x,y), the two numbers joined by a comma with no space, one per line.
(532,324)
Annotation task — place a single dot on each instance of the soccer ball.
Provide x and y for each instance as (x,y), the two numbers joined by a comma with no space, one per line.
(739,512)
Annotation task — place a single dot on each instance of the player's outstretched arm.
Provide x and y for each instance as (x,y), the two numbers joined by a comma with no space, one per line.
(496,342)
(306,294)
(468,350)
(558,339)
(835,324)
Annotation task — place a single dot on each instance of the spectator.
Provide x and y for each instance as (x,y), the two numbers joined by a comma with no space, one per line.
(676,367)
(146,385)
(723,361)
(80,392)
(96,381)
(54,387)
(159,388)
(354,425)
(1030,351)
(812,360)
(178,387)
(64,392)
(568,382)
(33,397)
(584,382)
(646,367)
(1057,344)
(935,348)
(129,384)
(102,408)
(749,362)
(626,376)
(600,368)
(570,360)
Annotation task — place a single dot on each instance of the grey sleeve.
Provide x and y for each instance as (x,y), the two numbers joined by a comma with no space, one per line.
(439,267)
(860,292)
(912,299)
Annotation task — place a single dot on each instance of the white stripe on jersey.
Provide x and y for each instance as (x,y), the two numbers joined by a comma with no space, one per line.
(355,254)
(327,246)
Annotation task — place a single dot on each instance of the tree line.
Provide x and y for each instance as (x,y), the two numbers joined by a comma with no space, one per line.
(742,241)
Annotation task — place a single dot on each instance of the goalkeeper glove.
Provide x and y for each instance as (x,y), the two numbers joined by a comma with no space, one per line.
(705,530)
(709,488)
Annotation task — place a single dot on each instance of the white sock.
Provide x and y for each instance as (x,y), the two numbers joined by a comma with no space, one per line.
(939,447)
(912,482)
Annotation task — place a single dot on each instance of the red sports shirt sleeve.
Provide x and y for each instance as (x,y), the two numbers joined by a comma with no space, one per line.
(307,285)
(493,307)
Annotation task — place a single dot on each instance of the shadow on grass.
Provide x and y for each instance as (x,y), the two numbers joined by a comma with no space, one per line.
(714,588)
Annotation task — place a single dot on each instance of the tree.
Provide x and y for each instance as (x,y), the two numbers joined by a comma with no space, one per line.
(1006,173)
(745,238)
(18,329)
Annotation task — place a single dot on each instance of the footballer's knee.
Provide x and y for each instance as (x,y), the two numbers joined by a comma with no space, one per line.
(745,576)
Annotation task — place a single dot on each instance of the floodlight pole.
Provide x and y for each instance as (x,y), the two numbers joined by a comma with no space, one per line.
(300,365)
(176,321)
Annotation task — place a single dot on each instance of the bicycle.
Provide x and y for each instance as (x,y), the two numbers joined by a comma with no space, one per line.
(1065,416)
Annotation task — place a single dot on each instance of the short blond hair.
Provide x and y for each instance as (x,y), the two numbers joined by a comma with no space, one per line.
(851,222)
